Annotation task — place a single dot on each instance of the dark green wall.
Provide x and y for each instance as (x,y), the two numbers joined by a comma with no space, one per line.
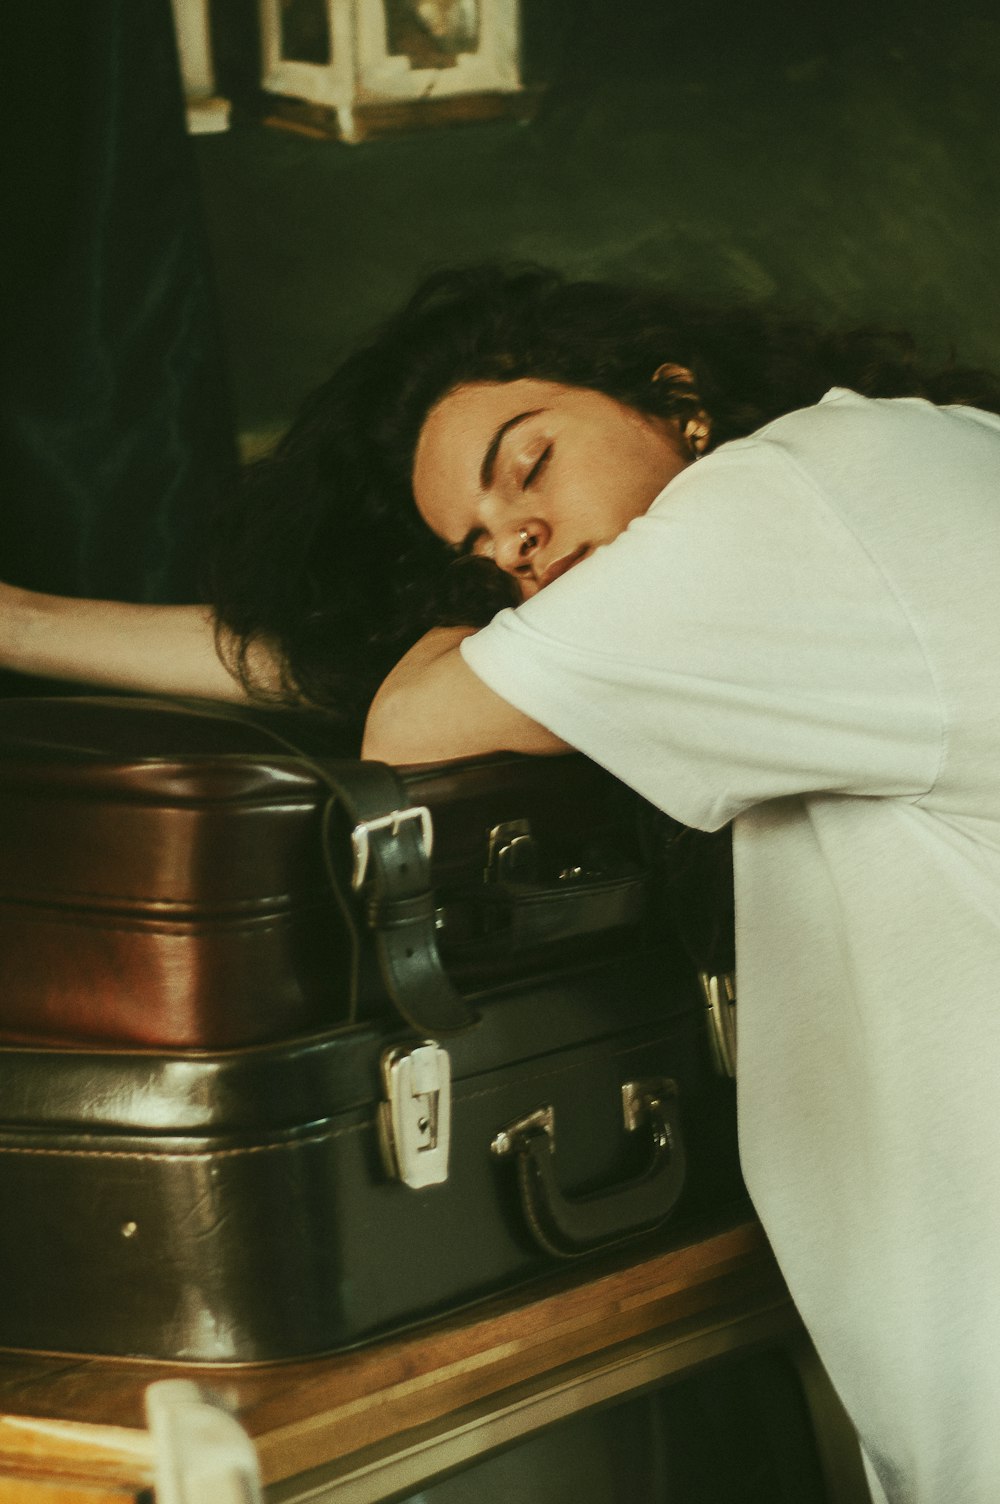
(843,158)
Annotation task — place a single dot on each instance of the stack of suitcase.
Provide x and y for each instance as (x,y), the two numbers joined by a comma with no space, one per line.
(297,1050)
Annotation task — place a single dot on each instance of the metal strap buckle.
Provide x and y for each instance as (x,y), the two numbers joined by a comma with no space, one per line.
(360,845)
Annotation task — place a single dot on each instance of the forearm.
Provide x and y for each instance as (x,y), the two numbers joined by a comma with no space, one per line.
(114,644)
(433,708)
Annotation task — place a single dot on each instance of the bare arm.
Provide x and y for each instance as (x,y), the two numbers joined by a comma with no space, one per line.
(432,708)
(115,644)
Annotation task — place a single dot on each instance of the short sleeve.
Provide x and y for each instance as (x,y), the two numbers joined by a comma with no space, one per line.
(735,644)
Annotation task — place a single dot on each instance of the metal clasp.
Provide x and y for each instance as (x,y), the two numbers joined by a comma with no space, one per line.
(414,1120)
(363,829)
(641,1098)
(512,854)
(720,1000)
(542,1120)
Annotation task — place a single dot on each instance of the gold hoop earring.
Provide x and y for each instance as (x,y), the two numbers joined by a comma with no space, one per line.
(697,430)
(696,433)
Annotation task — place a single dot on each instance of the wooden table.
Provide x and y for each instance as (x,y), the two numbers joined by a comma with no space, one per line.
(366,1425)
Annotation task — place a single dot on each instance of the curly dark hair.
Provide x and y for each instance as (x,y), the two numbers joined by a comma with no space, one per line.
(320,550)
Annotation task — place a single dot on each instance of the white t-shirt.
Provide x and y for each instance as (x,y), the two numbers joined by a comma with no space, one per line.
(802,635)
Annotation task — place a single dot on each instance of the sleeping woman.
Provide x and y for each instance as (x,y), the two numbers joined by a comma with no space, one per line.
(753,569)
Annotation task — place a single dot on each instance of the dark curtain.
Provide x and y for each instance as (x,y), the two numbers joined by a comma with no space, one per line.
(114,421)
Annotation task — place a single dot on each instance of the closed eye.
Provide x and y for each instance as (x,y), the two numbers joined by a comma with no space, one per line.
(537,468)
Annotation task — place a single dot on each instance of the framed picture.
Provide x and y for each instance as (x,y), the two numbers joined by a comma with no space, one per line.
(359,67)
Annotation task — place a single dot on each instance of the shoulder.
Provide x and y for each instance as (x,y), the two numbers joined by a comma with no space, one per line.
(843,420)
(849,447)
(841,408)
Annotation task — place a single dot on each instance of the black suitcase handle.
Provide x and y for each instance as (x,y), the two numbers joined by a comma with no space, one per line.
(571,1227)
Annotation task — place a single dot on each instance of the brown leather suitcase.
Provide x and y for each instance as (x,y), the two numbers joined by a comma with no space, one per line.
(474,1048)
(165,875)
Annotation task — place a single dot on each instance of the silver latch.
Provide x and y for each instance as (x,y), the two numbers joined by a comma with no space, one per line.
(414,1120)
(720,1000)
(512,854)
(361,832)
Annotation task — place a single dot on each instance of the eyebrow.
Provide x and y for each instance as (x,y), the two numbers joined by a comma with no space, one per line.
(490,457)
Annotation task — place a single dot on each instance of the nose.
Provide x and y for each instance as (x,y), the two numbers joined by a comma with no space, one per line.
(516,546)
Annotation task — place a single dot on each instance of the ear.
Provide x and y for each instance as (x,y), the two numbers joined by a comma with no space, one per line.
(675,375)
(697,430)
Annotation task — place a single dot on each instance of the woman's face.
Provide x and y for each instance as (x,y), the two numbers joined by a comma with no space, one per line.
(536,476)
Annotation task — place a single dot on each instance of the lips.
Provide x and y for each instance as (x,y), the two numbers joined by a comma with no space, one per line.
(562,565)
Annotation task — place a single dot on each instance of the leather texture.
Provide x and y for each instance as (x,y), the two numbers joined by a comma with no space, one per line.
(232,1207)
(165,876)
(197,999)
(570,1227)
(390,850)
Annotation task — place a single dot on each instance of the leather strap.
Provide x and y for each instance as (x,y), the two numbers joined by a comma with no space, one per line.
(395,893)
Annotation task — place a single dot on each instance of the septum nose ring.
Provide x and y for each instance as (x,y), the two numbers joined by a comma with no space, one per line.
(527,539)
